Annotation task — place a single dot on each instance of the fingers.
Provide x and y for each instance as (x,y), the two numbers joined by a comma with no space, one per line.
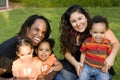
(80,69)
(49,71)
(81,65)
(105,68)
(78,73)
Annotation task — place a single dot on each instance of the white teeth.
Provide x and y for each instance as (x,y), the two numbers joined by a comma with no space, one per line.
(81,26)
(37,39)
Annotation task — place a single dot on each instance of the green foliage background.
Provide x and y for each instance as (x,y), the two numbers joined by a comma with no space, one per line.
(11,21)
(65,3)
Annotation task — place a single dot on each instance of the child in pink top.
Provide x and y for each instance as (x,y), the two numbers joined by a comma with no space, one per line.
(25,67)
(45,54)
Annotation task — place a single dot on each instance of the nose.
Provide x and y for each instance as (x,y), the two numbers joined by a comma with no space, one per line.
(44,51)
(77,22)
(98,34)
(40,34)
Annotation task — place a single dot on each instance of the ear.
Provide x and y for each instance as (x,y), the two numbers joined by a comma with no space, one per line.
(36,51)
(27,30)
(32,50)
(91,32)
(17,53)
(51,51)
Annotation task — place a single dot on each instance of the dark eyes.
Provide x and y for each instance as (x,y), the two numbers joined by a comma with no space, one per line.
(37,30)
(72,21)
(95,32)
(100,32)
(29,53)
(79,18)
(25,54)
(43,49)
(22,54)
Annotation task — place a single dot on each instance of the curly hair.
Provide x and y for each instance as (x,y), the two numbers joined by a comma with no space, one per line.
(100,19)
(50,41)
(68,35)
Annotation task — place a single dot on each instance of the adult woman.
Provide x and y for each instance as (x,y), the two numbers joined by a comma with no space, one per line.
(35,28)
(75,24)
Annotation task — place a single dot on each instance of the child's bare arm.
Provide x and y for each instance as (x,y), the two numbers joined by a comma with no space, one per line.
(82,58)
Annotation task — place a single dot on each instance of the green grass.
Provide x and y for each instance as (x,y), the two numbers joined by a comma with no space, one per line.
(10,23)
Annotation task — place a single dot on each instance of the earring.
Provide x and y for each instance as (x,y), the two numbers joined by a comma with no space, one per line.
(73,32)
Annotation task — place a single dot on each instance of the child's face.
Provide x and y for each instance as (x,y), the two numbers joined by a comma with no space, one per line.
(98,32)
(25,52)
(44,51)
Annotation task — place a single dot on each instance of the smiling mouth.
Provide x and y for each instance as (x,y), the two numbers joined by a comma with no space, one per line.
(99,40)
(36,40)
(43,57)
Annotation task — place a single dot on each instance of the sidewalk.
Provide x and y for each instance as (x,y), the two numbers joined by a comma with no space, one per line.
(11,6)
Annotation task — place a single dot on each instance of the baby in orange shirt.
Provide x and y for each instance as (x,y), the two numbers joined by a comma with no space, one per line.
(25,67)
(46,56)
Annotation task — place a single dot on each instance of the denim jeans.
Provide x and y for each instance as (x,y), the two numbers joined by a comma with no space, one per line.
(1,78)
(97,73)
(65,75)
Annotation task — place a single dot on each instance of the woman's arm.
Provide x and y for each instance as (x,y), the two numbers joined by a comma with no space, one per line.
(115,48)
(70,58)
(73,61)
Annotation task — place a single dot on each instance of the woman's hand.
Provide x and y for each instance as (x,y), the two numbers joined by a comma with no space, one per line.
(2,70)
(109,61)
(41,77)
(78,68)
(115,48)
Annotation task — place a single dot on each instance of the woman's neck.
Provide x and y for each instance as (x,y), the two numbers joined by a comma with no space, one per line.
(78,39)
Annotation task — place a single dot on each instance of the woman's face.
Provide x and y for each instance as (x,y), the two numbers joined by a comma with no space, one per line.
(78,21)
(37,31)
(44,51)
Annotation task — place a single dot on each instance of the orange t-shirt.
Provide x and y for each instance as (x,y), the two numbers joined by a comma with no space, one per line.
(24,71)
(47,64)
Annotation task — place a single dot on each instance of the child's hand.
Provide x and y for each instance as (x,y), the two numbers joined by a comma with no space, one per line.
(40,77)
(50,70)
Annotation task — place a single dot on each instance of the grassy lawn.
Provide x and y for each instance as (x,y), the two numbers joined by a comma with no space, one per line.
(10,23)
